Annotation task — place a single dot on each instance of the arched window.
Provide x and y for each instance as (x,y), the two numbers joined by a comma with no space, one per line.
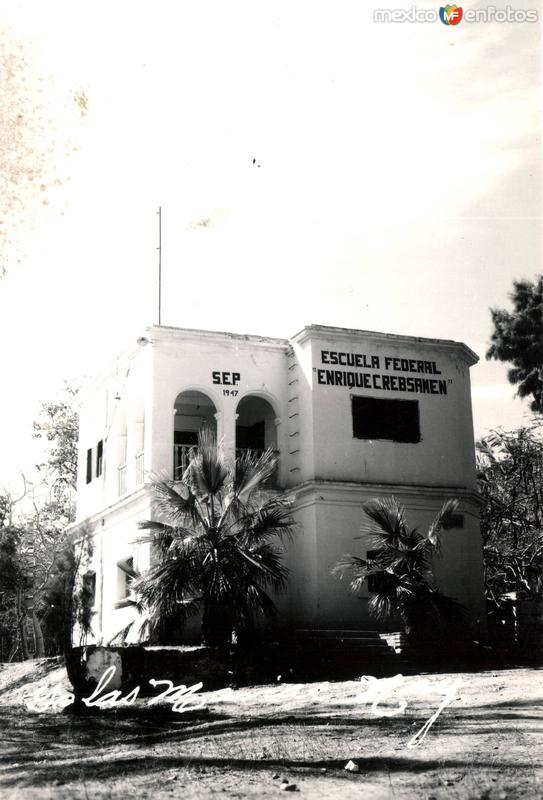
(122,443)
(255,424)
(193,410)
(139,444)
(255,427)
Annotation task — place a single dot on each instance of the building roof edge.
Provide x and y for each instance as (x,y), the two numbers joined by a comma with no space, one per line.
(199,333)
(315,331)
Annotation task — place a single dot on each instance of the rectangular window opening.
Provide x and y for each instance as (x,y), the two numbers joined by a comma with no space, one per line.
(456,521)
(99,458)
(393,420)
(185,438)
(89,465)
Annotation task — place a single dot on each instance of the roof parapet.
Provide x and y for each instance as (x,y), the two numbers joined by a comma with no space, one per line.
(322,331)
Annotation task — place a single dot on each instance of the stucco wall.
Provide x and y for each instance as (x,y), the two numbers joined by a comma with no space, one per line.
(196,362)
(113,536)
(115,409)
(330,518)
(445,454)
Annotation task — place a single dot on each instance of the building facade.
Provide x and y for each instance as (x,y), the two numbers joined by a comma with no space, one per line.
(353,415)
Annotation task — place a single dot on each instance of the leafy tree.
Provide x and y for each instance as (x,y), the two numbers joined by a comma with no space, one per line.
(48,507)
(56,602)
(215,545)
(400,567)
(54,505)
(518,339)
(58,425)
(14,583)
(67,598)
(510,475)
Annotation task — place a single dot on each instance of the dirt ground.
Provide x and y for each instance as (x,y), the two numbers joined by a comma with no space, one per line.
(258,742)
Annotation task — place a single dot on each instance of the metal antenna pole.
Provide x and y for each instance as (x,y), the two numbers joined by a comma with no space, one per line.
(159,248)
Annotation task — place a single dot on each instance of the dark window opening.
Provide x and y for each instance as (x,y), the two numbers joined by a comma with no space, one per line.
(89,465)
(185,437)
(99,458)
(381,582)
(376,418)
(251,437)
(454,521)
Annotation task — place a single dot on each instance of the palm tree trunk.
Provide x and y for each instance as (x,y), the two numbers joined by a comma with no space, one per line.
(217,625)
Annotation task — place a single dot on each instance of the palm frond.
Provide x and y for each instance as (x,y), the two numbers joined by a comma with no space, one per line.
(354,569)
(120,636)
(401,564)
(258,599)
(130,602)
(208,471)
(387,523)
(169,539)
(160,534)
(408,562)
(265,566)
(252,472)
(219,587)
(348,564)
(166,586)
(444,517)
(188,540)
(128,569)
(176,503)
(383,606)
(157,527)
(272,519)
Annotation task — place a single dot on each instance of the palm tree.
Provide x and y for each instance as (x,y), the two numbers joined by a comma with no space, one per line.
(214,545)
(400,569)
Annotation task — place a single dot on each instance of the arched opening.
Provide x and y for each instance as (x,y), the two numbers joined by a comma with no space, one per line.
(139,442)
(122,448)
(193,410)
(255,426)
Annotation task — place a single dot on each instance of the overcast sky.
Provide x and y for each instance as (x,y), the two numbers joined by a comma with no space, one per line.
(313,167)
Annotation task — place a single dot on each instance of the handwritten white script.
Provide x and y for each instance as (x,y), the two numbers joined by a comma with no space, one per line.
(376,691)
(179,697)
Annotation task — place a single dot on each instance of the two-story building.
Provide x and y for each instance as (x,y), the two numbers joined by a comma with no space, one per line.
(353,415)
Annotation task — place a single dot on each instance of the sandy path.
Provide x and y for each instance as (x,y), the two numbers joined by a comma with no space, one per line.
(488,743)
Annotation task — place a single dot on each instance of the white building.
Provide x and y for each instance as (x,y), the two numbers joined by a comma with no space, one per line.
(353,415)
